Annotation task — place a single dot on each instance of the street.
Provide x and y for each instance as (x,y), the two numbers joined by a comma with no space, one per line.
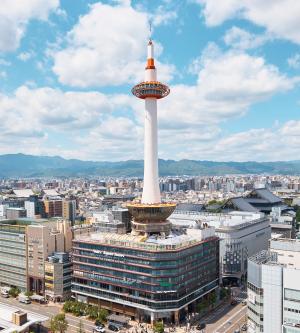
(50,311)
(225,319)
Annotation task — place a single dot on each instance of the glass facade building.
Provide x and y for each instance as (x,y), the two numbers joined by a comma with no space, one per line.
(144,280)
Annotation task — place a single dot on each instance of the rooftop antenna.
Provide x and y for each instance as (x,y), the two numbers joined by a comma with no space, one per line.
(150,29)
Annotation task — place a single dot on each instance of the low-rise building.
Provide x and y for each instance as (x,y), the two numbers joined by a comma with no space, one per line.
(241,234)
(14,319)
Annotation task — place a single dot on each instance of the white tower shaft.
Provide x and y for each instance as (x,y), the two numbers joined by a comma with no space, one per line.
(151,191)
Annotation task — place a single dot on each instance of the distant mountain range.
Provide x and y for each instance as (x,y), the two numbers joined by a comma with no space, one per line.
(20,165)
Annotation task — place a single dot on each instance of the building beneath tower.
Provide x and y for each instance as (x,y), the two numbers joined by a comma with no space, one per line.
(146,277)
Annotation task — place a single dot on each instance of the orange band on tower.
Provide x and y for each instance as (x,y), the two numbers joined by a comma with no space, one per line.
(150,64)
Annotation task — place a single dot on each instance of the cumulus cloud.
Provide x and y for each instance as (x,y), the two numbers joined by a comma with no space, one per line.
(106,47)
(25,56)
(280,18)
(239,38)
(96,126)
(15,15)
(279,143)
(51,109)
(294,61)
(228,83)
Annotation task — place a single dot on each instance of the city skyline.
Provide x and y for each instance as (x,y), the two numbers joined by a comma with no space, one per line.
(233,71)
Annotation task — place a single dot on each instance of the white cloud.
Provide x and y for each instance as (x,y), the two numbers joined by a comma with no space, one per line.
(163,16)
(29,114)
(47,107)
(106,47)
(280,18)
(262,144)
(96,126)
(241,39)
(294,61)
(25,56)
(227,85)
(116,138)
(15,15)
(4,62)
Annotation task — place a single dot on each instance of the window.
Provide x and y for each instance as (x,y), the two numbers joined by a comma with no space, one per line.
(292,295)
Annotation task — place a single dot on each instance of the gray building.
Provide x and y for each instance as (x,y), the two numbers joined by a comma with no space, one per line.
(241,234)
(58,277)
(13,257)
(13,213)
(273,288)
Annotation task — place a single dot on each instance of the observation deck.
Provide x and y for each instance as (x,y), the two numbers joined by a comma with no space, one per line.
(150,89)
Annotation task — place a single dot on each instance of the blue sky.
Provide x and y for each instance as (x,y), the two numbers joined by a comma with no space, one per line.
(67,68)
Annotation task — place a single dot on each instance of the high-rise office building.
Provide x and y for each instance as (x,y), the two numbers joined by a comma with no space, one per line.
(69,210)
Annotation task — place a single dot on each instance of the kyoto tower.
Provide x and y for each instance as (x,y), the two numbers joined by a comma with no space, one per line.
(150,216)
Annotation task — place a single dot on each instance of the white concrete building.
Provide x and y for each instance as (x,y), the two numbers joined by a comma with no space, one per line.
(273,288)
(3,208)
(30,209)
(242,234)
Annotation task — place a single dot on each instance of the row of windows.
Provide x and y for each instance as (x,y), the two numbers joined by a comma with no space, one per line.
(292,310)
(158,272)
(155,264)
(176,278)
(292,295)
(132,299)
(258,291)
(260,315)
(144,254)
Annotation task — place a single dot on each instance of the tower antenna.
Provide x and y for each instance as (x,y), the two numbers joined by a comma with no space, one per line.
(150,29)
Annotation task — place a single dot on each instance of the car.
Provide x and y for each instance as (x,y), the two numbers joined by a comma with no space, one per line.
(244,327)
(113,328)
(234,302)
(99,329)
(244,302)
(98,323)
(201,326)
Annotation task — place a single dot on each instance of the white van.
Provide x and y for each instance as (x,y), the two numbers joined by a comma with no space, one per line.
(24,299)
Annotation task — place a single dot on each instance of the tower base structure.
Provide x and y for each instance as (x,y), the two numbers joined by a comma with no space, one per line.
(151,218)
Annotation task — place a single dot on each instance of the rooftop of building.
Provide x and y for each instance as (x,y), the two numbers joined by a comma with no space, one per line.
(174,241)
(260,199)
(263,257)
(7,325)
(27,221)
(276,254)
(220,221)
(285,244)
